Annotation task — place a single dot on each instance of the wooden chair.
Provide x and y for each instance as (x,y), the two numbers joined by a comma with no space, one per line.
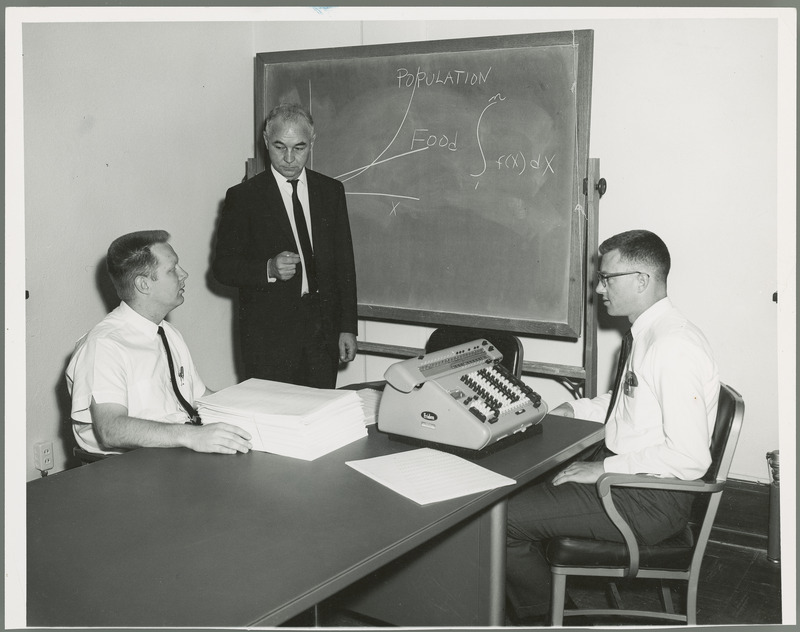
(678,558)
(508,344)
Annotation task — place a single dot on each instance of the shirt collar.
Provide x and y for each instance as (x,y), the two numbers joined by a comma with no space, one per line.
(135,319)
(650,315)
(282,180)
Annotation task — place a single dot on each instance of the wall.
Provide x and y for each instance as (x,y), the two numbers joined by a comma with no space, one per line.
(145,124)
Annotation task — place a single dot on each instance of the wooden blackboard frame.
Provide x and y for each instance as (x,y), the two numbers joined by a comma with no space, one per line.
(582,43)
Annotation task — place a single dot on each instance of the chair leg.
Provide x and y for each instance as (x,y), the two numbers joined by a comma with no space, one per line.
(557,595)
(666,597)
(691,598)
(616,599)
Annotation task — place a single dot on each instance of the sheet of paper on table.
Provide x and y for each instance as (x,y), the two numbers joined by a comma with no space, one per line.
(427,476)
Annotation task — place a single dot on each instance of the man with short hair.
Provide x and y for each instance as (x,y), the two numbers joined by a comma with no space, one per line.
(131,378)
(284,241)
(659,420)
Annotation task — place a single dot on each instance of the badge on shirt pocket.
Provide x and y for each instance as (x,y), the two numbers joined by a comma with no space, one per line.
(630,383)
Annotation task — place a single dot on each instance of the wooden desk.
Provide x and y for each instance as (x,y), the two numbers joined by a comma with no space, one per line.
(169,537)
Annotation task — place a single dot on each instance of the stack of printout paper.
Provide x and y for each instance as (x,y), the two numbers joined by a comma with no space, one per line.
(370,401)
(295,421)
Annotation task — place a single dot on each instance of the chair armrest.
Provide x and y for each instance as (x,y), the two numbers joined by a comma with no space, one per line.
(648,481)
(611,479)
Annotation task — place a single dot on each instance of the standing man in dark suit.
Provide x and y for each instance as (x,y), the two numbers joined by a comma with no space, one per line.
(284,240)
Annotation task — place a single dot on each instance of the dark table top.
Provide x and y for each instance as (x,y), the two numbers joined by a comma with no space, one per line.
(170,537)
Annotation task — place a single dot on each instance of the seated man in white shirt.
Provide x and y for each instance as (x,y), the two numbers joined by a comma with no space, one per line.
(128,388)
(658,421)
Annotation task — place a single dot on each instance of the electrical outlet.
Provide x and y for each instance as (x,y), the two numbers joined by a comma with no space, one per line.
(43,456)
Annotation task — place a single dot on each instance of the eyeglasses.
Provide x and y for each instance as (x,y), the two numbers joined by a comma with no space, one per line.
(603,277)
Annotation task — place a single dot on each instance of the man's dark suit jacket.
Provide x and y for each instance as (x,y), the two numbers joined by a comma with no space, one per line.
(253,228)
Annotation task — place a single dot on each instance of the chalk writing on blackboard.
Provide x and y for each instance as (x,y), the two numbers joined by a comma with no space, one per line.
(438,77)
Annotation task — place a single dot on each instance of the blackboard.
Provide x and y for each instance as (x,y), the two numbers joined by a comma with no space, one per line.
(464,164)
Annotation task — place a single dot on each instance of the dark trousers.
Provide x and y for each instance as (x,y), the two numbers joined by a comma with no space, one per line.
(307,359)
(543,511)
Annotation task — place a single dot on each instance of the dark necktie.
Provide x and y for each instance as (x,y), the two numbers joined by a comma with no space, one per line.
(195,418)
(625,351)
(304,238)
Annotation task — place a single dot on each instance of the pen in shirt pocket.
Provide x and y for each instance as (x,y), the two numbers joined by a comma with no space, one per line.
(180,374)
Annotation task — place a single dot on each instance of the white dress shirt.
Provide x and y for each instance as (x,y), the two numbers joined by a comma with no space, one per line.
(122,361)
(302,193)
(663,424)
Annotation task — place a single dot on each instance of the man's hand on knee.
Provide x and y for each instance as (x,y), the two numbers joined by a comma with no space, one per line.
(580,472)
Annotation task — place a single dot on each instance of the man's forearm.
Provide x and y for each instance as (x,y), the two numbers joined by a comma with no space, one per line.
(133,432)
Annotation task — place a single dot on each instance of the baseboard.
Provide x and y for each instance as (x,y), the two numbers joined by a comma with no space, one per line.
(721,535)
